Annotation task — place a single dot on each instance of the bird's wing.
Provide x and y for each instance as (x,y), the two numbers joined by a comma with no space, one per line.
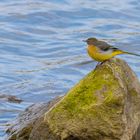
(103,46)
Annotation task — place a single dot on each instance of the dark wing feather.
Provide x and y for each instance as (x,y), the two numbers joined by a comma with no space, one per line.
(104,46)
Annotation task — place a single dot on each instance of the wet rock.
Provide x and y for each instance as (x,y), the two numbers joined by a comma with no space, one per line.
(105,105)
(21,127)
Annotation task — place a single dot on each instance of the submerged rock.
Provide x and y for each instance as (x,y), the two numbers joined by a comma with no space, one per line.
(10,98)
(105,105)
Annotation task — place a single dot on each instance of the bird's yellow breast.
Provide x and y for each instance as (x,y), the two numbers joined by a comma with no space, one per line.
(97,55)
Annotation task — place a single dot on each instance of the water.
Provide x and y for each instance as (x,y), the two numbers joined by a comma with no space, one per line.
(42,53)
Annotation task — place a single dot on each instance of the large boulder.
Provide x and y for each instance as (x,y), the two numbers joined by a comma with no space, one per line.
(105,105)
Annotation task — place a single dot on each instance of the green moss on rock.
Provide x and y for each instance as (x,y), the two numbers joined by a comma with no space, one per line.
(94,107)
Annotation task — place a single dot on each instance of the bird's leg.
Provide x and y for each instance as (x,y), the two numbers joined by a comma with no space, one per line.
(98,64)
(102,62)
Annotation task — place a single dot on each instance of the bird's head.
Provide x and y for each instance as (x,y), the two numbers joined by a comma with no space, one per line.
(91,41)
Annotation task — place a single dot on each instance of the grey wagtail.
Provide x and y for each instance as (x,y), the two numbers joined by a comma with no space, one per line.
(102,51)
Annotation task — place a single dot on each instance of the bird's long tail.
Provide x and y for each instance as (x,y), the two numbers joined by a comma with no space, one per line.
(131,53)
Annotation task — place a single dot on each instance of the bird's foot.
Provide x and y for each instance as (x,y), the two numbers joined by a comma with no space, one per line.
(98,64)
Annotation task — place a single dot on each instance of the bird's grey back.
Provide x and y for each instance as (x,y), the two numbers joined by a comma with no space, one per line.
(103,45)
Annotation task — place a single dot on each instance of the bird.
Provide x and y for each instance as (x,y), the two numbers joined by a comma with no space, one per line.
(102,51)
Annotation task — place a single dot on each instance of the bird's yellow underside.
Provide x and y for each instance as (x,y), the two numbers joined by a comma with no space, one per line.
(98,56)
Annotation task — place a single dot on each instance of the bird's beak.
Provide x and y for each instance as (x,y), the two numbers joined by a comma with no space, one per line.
(84,40)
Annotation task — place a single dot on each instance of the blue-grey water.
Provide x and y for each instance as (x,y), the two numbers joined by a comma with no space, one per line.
(42,54)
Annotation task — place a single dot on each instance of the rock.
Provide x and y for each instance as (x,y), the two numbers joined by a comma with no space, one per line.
(10,98)
(21,127)
(136,136)
(105,105)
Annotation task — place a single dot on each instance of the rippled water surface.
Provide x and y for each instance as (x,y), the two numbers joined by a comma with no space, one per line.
(42,53)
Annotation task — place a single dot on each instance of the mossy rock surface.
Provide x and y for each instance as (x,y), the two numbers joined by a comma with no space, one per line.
(100,106)
(104,105)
